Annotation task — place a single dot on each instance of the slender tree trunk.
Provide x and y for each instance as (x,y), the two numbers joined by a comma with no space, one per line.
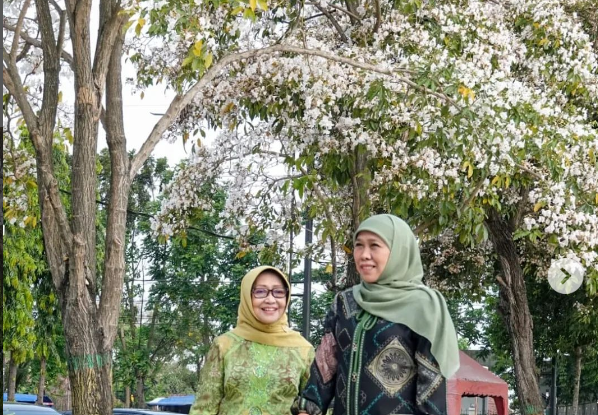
(514,309)
(121,335)
(12,379)
(127,396)
(41,386)
(5,362)
(576,385)
(361,183)
(140,393)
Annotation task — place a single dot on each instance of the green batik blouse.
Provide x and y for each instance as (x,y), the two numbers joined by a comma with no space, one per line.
(242,377)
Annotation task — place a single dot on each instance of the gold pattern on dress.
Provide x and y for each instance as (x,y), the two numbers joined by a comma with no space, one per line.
(429,378)
(392,368)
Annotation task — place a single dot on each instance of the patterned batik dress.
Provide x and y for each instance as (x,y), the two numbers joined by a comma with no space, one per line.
(241,377)
(393,372)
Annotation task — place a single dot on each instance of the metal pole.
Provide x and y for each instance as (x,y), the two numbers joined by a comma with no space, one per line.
(307,279)
(553,408)
(291,238)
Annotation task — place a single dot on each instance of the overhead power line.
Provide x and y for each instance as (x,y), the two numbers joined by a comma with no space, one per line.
(147,215)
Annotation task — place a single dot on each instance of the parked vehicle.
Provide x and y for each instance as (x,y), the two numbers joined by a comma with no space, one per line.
(28,398)
(131,411)
(26,409)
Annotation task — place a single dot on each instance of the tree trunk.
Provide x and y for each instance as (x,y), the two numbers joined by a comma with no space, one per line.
(70,239)
(361,183)
(41,386)
(578,359)
(5,362)
(90,330)
(127,396)
(12,379)
(514,309)
(140,393)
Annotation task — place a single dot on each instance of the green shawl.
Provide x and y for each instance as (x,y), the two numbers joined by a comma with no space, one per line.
(400,296)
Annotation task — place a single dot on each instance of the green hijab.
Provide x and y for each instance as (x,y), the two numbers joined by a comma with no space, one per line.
(400,296)
(250,328)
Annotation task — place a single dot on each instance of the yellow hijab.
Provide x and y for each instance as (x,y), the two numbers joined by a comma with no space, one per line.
(250,328)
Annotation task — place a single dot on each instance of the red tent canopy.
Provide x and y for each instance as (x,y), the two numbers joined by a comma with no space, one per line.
(473,379)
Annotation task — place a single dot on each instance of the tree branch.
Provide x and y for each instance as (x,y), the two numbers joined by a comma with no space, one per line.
(340,9)
(19,28)
(378,16)
(181,101)
(114,262)
(12,82)
(61,34)
(424,227)
(521,208)
(336,25)
(108,35)
(530,171)
(51,67)
(38,44)
(23,52)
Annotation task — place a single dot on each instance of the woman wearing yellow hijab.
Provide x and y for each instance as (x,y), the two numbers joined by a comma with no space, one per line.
(259,367)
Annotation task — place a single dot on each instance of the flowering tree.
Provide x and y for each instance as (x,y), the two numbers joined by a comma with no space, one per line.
(478,118)
(41,42)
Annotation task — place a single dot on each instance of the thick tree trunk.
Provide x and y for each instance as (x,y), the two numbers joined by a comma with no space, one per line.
(576,385)
(41,386)
(12,379)
(514,309)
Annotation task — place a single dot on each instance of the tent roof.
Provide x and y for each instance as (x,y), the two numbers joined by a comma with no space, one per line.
(177,400)
(473,371)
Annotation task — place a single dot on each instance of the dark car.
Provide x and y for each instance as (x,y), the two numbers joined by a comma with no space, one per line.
(26,409)
(131,411)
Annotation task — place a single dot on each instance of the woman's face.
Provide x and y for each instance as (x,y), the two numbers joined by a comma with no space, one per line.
(371,255)
(270,308)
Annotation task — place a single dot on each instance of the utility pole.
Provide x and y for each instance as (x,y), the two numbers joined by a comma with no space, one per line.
(307,279)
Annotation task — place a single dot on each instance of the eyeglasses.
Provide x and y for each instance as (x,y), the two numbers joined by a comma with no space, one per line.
(264,292)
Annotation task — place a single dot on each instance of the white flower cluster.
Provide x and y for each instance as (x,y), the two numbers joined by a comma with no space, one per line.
(501,118)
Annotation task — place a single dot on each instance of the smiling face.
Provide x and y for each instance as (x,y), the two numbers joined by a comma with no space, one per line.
(269,310)
(371,255)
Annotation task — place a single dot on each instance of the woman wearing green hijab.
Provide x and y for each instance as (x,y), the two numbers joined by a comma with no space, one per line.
(389,342)
(259,367)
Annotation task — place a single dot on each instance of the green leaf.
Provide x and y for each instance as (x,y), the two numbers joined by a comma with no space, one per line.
(249,14)
(208,60)
(263,4)
(187,61)
(69,135)
(197,47)
(140,24)
(196,64)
